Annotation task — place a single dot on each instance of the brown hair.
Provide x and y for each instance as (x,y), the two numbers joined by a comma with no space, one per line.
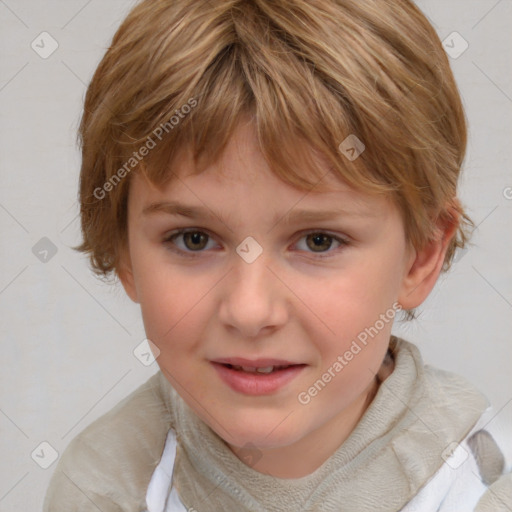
(184,73)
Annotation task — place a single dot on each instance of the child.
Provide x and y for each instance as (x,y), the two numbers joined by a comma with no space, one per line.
(273,182)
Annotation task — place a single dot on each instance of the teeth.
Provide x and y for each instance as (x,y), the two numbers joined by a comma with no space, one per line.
(267,369)
(251,369)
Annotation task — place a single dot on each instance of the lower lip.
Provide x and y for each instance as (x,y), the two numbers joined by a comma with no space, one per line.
(257,383)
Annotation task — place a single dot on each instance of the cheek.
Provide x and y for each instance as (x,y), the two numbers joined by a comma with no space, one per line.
(352,351)
(357,312)
(163,295)
(173,305)
(166,307)
(354,300)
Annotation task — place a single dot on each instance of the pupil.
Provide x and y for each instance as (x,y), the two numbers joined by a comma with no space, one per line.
(196,238)
(320,242)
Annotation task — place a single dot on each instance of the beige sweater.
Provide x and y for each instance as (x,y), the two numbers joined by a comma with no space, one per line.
(393,452)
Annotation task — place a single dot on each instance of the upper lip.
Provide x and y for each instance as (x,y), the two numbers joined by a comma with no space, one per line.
(254,363)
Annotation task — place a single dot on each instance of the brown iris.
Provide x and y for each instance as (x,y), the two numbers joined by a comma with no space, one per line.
(320,241)
(197,239)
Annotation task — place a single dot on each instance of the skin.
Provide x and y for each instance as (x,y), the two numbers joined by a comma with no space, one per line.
(289,303)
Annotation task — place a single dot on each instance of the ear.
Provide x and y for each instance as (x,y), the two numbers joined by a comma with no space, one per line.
(424,265)
(125,274)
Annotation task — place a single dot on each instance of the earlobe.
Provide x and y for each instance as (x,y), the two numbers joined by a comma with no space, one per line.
(125,274)
(425,264)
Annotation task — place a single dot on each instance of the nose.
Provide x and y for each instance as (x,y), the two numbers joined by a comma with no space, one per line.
(254,301)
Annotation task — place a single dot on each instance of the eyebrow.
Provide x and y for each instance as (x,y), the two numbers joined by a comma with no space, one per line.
(292,216)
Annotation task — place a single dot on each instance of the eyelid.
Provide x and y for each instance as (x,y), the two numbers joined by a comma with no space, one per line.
(343,240)
(167,240)
(328,232)
(179,231)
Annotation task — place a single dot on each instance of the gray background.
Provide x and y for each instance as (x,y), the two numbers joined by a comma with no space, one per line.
(67,339)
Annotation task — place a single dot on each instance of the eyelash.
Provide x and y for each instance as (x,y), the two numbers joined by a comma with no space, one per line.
(168,242)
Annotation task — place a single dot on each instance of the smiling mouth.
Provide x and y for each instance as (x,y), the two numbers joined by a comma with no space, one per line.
(263,379)
(264,369)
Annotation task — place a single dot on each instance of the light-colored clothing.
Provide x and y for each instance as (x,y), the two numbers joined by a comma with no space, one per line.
(152,453)
(161,496)
(455,487)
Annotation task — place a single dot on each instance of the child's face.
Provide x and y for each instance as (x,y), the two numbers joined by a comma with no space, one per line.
(203,302)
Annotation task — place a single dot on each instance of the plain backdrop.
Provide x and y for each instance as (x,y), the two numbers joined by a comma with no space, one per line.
(68,339)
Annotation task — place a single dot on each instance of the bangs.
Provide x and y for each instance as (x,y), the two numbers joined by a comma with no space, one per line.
(251,71)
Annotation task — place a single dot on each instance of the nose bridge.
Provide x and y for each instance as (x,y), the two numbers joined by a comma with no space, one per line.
(254,298)
(252,277)
(251,263)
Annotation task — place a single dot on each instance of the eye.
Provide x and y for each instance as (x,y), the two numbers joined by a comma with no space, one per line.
(319,242)
(192,242)
(188,241)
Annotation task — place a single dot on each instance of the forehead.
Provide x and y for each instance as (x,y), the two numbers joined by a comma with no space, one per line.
(241,175)
(266,199)
(242,161)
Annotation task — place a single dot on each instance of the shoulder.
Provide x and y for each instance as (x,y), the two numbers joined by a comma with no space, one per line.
(498,497)
(108,465)
(454,395)
(474,474)
(443,399)
(492,448)
(470,447)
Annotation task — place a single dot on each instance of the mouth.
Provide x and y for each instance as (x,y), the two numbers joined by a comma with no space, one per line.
(261,377)
(259,369)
